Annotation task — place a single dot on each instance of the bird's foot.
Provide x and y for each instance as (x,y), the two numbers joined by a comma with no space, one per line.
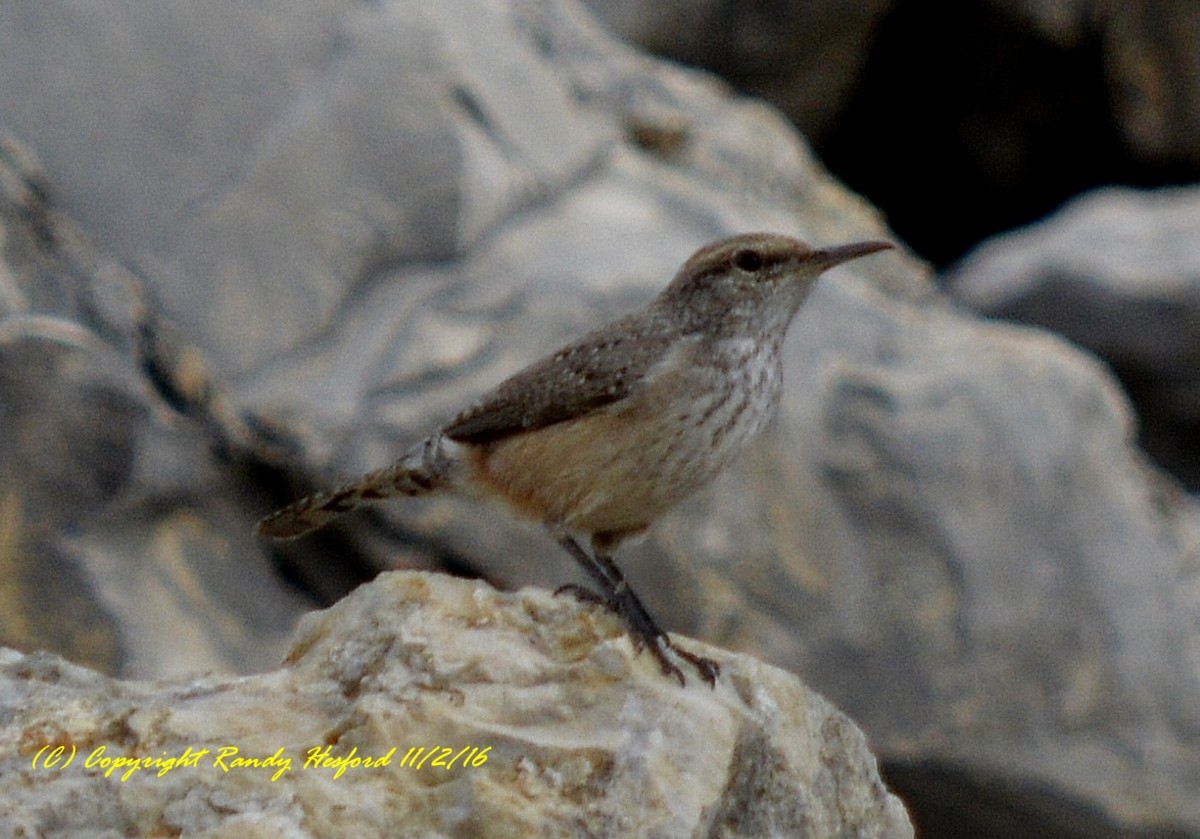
(706,667)
(645,634)
(584,595)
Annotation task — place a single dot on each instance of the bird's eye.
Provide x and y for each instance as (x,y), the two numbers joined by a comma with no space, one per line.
(748,261)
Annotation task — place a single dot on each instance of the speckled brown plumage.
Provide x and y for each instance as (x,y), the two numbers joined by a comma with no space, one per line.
(601,438)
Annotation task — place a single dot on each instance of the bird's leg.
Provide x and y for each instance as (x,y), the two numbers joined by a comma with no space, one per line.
(594,571)
(621,598)
(630,606)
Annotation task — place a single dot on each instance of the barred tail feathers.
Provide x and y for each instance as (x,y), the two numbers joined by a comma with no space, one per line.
(414,474)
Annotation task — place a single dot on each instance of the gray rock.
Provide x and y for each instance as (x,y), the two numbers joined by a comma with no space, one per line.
(1116,271)
(192,297)
(995,558)
(948,530)
(498,714)
(122,527)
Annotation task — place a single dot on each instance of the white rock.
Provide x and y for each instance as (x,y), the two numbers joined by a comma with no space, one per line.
(546,721)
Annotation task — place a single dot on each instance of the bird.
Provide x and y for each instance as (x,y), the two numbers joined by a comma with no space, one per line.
(601,438)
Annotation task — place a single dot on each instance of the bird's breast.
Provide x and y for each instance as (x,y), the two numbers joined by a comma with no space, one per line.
(617,469)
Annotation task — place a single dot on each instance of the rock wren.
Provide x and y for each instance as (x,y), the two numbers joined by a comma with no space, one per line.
(604,436)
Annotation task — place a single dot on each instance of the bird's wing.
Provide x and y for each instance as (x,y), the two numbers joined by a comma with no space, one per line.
(601,368)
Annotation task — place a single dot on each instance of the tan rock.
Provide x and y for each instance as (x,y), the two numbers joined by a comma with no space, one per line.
(492,714)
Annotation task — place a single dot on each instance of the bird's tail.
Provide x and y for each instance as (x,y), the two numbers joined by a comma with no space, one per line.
(419,472)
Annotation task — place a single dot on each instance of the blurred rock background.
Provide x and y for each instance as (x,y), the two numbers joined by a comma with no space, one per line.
(963,120)
(248,251)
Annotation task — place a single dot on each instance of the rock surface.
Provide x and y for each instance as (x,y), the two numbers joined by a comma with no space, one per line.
(1116,271)
(250,374)
(540,719)
(258,260)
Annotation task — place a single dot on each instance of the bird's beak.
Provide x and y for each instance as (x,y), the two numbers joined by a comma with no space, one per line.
(829,257)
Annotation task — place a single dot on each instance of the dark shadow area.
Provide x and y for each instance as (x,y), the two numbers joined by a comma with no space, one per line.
(967,122)
(952,802)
